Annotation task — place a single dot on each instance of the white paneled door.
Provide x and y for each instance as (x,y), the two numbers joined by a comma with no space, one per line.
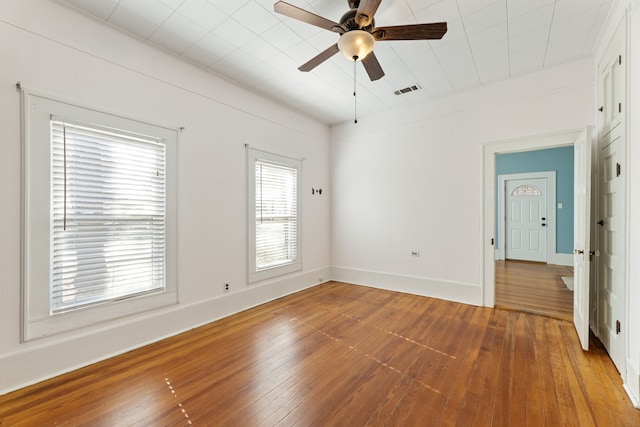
(582,234)
(526,219)
(611,250)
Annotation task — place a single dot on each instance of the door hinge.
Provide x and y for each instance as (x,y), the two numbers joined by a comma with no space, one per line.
(619,107)
(618,169)
(619,59)
(492,241)
(617,327)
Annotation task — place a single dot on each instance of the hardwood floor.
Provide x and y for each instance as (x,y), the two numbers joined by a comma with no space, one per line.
(344,355)
(534,287)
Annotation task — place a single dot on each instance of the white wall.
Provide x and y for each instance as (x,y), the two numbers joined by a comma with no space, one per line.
(53,49)
(412,179)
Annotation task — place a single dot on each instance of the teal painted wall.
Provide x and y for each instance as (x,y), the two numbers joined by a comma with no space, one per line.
(553,159)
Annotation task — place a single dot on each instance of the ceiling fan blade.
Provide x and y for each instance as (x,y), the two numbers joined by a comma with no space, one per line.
(320,58)
(432,31)
(366,10)
(295,12)
(373,67)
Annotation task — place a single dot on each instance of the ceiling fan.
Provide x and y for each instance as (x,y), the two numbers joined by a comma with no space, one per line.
(358,33)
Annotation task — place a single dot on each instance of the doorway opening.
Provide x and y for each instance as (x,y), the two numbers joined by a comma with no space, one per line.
(534,231)
(532,286)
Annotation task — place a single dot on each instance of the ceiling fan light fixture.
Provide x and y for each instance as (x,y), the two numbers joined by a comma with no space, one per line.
(356,44)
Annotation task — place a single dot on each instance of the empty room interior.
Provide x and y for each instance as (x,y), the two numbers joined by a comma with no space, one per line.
(320,212)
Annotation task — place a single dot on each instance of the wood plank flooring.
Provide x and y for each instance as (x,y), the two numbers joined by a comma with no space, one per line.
(344,355)
(534,287)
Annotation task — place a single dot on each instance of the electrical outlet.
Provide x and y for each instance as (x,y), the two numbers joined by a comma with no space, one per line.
(226,287)
(415,253)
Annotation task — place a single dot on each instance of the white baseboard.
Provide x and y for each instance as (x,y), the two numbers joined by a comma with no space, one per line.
(632,384)
(43,360)
(563,259)
(467,293)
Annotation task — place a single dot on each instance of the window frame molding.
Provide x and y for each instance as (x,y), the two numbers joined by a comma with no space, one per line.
(254,155)
(38,321)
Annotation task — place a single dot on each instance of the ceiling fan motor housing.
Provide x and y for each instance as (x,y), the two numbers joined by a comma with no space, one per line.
(348,21)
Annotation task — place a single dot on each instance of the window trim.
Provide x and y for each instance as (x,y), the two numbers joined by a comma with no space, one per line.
(37,319)
(255,275)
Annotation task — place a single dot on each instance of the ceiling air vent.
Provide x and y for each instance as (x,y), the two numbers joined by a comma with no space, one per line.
(407,90)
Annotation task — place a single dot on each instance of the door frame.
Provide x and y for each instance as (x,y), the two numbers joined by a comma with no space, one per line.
(490,150)
(551,211)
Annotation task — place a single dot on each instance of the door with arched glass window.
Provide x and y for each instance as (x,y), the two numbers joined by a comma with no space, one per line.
(526,219)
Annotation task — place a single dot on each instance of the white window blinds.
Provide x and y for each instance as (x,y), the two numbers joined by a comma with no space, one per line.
(276,215)
(108,214)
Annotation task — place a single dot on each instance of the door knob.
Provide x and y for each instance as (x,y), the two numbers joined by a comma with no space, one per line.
(578,251)
(601,222)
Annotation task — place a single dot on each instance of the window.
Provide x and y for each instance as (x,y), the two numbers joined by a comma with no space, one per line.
(526,190)
(274,218)
(100,216)
(107,222)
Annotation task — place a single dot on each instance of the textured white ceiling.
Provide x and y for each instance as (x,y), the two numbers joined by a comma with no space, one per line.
(246,41)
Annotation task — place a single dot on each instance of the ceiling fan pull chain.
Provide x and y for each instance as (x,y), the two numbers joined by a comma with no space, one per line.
(355,98)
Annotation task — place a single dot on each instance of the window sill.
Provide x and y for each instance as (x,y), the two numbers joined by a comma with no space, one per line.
(48,325)
(269,273)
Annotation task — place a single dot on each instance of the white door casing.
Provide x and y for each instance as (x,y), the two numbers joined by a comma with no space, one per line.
(550,222)
(526,219)
(582,234)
